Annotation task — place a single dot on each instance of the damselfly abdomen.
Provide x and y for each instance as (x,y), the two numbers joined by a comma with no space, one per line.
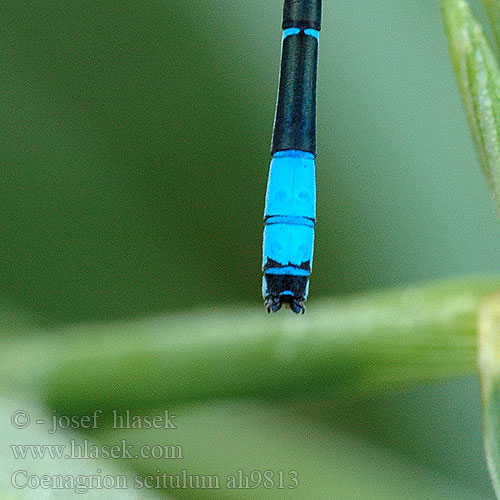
(290,212)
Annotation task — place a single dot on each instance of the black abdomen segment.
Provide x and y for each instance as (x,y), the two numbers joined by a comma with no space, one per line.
(303,14)
(295,119)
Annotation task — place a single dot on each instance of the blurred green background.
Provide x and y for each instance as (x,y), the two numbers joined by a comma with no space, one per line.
(134,156)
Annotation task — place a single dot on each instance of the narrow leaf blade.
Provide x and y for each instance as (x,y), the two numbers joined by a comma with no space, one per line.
(493,10)
(478,77)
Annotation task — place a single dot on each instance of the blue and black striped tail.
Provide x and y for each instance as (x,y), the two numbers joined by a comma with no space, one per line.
(289,230)
(290,213)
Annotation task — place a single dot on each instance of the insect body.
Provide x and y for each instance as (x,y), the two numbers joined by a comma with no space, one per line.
(290,212)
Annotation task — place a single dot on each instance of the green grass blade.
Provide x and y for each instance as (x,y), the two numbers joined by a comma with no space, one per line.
(365,342)
(478,77)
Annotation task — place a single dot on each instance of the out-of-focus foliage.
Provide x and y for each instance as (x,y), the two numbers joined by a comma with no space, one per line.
(134,155)
(489,363)
(478,75)
(136,144)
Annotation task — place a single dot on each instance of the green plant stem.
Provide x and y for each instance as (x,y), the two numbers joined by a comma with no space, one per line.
(489,369)
(403,335)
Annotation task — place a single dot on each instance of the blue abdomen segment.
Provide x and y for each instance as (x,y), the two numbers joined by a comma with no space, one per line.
(290,216)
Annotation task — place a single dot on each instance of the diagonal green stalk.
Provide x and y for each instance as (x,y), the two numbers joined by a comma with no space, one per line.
(369,341)
(478,77)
